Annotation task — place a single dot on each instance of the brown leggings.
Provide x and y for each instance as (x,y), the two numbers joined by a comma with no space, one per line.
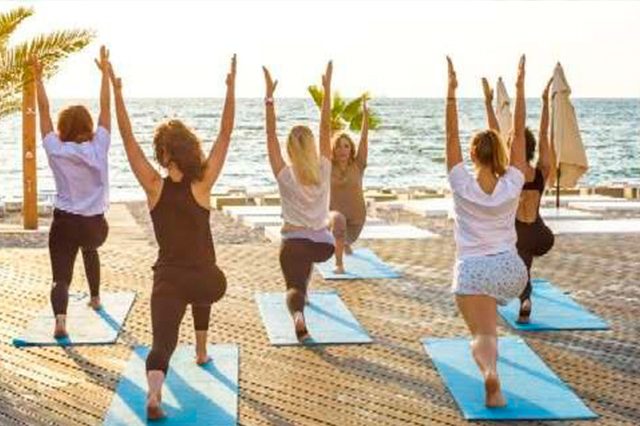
(166,316)
(173,289)
(297,256)
(69,234)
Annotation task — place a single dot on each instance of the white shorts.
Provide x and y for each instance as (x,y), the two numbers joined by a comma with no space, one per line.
(502,276)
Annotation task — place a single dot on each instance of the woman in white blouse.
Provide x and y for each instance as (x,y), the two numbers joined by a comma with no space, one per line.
(488,270)
(304,191)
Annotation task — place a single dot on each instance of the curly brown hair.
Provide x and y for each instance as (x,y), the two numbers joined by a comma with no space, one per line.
(75,124)
(530,145)
(175,143)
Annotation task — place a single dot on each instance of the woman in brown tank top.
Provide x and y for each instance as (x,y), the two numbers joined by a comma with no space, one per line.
(534,237)
(185,271)
(347,205)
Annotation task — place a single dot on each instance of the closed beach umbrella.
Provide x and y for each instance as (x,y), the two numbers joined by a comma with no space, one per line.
(503,109)
(570,158)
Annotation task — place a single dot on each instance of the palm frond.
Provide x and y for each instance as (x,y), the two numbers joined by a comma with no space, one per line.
(317,95)
(338,104)
(10,105)
(49,48)
(374,121)
(355,125)
(9,21)
(352,109)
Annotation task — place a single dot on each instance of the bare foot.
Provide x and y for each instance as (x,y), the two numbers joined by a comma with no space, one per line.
(154,409)
(95,304)
(60,330)
(493,394)
(347,249)
(525,312)
(202,358)
(339,269)
(300,326)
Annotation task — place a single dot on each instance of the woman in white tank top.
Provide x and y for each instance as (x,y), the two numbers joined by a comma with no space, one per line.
(488,270)
(304,193)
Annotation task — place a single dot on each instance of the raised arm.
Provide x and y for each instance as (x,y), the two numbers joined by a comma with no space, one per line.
(518,158)
(46,125)
(363,146)
(147,176)
(104,120)
(492,121)
(454,154)
(273,146)
(325,114)
(218,152)
(544,160)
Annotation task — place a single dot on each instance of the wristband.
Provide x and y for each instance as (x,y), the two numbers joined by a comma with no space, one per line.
(268,101)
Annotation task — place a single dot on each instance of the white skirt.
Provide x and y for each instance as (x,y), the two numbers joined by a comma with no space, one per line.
(502,276)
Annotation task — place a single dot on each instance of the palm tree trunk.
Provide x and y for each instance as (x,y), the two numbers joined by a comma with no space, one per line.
(30,188)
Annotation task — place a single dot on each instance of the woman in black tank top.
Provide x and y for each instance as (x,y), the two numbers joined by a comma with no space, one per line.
(185,271)
(534,237)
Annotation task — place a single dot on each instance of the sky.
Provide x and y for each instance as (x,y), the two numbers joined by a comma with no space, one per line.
(389,48)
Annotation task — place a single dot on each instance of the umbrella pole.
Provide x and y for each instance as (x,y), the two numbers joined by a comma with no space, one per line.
(558,188)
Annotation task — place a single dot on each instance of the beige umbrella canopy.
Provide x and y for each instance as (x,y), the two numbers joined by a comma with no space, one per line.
(503,109)
(568,154)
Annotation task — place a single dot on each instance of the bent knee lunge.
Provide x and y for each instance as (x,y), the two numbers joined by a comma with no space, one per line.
(201,316)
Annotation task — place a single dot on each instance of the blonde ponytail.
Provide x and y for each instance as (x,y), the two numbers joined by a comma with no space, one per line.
(303,154)
(489,150)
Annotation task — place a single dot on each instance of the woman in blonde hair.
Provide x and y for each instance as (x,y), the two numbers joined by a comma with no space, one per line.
(534,236)
(304,186)
(348,209)
(185,271)
(488,270)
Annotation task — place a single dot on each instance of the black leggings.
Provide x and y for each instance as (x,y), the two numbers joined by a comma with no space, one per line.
(173,289)
(534,239)
(297,257)
(70,233)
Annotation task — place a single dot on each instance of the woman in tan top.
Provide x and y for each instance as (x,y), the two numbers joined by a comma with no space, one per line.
(348,210)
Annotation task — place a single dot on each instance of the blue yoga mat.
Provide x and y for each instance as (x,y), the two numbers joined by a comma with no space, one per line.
(328,320)
(552,310)
(84,325)
(532,390)
(362,264)
(192,394)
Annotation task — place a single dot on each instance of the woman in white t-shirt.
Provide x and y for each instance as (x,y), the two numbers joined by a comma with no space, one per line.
(79,160)
(488,270)
(304,191)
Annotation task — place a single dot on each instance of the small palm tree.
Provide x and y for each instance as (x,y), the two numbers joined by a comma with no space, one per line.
(345,113)
(49,48)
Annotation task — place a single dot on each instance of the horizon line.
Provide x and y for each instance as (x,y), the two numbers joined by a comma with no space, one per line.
(308,98)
